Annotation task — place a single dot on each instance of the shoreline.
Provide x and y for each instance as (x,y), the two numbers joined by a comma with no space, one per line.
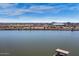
(35,30)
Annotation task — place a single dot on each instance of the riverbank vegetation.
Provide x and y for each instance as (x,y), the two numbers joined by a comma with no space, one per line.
(39,26)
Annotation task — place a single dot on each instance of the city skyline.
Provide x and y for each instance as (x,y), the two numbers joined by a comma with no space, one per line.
(39,12)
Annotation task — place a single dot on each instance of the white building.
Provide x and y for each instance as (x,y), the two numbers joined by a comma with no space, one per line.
(57,23)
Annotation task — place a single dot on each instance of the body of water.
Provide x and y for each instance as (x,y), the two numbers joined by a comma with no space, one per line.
(38,43)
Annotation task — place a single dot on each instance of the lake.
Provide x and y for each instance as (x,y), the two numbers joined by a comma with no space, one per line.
(38,42)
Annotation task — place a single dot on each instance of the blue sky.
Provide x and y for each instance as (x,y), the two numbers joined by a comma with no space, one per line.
(39,12)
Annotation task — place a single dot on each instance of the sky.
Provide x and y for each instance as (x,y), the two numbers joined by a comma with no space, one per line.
(39,12)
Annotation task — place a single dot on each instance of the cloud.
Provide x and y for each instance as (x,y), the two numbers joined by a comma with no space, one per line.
(12,10)
(35,9)
(29,20)
(41,8)
(74,8)
(36,20)
(7,5)
(7,8)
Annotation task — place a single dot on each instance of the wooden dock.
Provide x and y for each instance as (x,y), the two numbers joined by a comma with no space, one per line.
(60,52)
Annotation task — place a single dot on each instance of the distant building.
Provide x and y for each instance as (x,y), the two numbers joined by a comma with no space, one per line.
(58,24)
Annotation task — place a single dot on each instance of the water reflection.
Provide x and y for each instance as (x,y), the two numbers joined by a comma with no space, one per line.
(38,42)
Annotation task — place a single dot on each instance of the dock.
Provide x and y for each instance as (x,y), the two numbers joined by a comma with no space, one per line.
(61,52)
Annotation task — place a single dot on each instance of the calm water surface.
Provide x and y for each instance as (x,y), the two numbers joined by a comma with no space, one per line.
(38,43)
